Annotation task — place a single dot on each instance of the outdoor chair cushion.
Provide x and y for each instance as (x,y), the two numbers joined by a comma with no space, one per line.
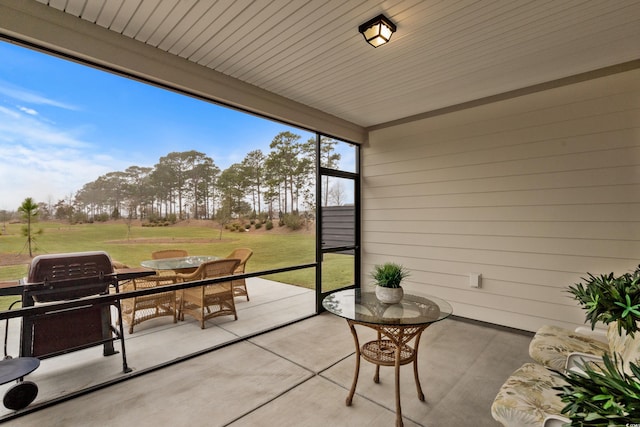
(551,345)
(528,397)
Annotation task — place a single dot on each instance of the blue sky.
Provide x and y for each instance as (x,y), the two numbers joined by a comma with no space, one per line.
(63,125)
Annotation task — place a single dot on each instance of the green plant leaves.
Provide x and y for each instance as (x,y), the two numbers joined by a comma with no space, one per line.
(607,299)
(389,275)
(628,308)
(602,396)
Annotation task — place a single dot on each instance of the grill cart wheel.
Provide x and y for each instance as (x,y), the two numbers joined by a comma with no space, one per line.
(23,393)
(20,395)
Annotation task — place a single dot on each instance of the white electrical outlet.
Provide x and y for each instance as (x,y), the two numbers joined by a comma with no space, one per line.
(475,280)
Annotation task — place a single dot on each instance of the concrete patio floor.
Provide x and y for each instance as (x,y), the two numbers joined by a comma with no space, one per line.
(159,341)
(298,375)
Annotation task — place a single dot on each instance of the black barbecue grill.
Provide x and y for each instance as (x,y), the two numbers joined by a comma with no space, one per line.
(70,277)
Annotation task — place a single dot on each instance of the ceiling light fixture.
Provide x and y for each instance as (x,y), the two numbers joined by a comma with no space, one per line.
(377,31)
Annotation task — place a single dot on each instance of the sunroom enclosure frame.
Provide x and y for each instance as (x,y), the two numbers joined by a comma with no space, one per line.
(50,48)
(532,188)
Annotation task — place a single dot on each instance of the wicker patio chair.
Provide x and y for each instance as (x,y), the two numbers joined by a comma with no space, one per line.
(117,265)
(169,253)
(138,309)
(240,285)
(208,301)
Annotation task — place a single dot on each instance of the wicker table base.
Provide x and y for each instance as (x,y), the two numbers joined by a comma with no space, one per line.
(390,349)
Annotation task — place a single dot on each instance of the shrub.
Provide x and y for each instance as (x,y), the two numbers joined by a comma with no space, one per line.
(268,225)
(293,221)
(236,227)
(257,225)
(79,218)
(153,218)
(103,217)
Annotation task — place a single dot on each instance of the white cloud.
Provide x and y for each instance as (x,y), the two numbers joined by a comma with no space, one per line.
(28,129)
(44,175)
(42,161)
(29,97)
(30,111)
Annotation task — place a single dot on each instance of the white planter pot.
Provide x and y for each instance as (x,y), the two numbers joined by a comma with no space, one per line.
(389,295)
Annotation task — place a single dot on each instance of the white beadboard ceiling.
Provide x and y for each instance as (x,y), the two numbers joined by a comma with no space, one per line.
(445,52)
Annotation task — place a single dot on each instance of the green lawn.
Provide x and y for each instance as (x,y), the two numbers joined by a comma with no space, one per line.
(272,249)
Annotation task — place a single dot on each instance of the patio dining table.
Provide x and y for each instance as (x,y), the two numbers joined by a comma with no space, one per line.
(185,264)
(396,326)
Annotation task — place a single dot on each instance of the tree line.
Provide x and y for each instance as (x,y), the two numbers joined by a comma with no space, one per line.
(190,185)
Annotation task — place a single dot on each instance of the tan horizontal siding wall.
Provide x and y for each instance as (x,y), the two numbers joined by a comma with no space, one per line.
(531,192)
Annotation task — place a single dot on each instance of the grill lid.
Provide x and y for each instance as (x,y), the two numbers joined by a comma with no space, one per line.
(56,277)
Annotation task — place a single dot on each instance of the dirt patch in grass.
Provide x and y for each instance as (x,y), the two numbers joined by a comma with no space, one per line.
(13,259)
(308,228)
(154,240)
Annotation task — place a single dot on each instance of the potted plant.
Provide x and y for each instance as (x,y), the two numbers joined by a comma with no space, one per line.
(607,299)
(604,394)
(388,278)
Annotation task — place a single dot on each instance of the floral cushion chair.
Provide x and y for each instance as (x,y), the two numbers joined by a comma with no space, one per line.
(552,345)
(528,397)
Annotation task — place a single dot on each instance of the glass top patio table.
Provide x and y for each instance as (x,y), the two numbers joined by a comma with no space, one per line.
(396,325)
(181,263)
(354,304)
